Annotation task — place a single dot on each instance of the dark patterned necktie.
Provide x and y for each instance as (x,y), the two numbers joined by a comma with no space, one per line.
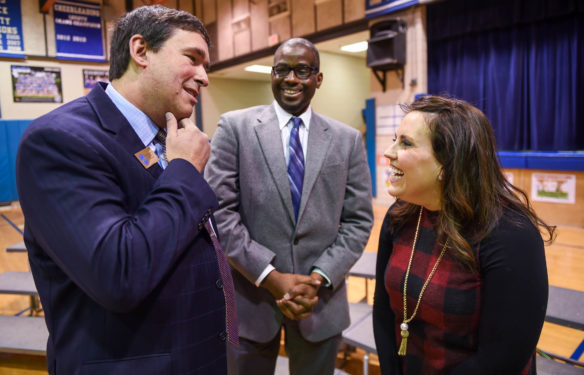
(296,165)
(160,137)
(227,281)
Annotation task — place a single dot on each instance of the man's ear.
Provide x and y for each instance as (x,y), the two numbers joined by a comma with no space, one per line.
(319,78)
(138,48)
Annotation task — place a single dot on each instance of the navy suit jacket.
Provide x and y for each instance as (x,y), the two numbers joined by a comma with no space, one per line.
(127,276)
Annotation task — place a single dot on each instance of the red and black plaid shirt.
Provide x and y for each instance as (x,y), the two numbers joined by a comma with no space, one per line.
(445,330)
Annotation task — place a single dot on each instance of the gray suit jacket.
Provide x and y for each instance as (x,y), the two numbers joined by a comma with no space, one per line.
(247,170)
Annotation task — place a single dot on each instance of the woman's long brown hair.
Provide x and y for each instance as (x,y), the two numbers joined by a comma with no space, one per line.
(474,189)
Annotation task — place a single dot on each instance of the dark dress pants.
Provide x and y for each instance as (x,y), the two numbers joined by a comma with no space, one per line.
(305,357)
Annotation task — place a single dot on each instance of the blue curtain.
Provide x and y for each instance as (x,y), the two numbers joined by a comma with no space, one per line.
(521,62)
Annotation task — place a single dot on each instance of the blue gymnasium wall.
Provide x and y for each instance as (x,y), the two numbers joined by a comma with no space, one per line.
(10,133)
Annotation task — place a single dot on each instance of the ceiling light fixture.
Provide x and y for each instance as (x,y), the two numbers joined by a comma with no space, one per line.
(355,47)
(258,69)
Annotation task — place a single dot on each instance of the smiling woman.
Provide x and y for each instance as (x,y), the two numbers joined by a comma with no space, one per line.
(413,166)
(454,251)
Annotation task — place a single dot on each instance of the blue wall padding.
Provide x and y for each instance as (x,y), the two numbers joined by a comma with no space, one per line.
(560,161)
(369,114)
(10,133)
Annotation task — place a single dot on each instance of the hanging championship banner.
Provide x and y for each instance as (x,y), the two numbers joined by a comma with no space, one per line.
(376,8)
(11,42)
(78,31)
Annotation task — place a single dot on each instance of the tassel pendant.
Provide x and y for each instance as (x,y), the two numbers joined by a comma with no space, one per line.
(404,325)
(404,341)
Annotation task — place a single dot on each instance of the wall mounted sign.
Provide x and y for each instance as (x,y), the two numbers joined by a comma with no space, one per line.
(388,118)
(11,42)
(78,31)
(553,187)
(91,77)
(36,84)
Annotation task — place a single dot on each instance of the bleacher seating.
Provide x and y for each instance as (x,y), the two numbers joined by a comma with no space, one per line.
(23,335)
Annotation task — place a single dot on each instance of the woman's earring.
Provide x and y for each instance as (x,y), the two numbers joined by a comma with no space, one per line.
(440,176)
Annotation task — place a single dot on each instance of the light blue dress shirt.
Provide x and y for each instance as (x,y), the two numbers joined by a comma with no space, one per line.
(144,127)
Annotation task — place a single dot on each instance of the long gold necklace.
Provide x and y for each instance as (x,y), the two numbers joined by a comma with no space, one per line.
(404,326)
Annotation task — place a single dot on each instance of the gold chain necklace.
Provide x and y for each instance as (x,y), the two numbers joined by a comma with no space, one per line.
(404,326)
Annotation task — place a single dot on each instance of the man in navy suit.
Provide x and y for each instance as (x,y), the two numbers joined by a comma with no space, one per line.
(118,236)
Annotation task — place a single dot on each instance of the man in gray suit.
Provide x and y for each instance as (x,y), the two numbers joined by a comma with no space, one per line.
(295,214)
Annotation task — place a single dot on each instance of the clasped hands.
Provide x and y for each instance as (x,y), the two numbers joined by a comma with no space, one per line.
(295,294)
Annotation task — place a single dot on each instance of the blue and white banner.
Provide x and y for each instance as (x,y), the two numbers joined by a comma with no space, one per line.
(78,30)
(11,42)
(376,8)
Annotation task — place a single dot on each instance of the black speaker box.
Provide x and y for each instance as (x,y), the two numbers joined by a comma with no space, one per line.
(387,46)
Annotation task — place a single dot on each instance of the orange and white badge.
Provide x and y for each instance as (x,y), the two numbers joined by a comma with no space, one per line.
(146,157)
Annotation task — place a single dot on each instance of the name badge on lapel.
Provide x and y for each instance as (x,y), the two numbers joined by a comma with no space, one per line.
(146,157)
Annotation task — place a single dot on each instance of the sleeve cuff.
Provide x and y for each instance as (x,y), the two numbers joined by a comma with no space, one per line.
(321,273)
(264,273)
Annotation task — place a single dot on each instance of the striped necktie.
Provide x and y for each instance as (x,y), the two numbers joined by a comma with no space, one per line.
(160,138)
(227,281)
(296,165)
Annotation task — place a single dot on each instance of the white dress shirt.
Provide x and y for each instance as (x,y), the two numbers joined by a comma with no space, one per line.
(286,125)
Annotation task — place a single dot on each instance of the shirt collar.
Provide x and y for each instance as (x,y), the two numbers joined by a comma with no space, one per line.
(144,127)
(284,117)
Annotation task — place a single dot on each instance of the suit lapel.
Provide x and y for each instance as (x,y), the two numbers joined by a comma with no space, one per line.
(269,137)
(112,120)
(318,143)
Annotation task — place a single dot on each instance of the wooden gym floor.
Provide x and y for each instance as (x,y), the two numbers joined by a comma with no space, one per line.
(565,260)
